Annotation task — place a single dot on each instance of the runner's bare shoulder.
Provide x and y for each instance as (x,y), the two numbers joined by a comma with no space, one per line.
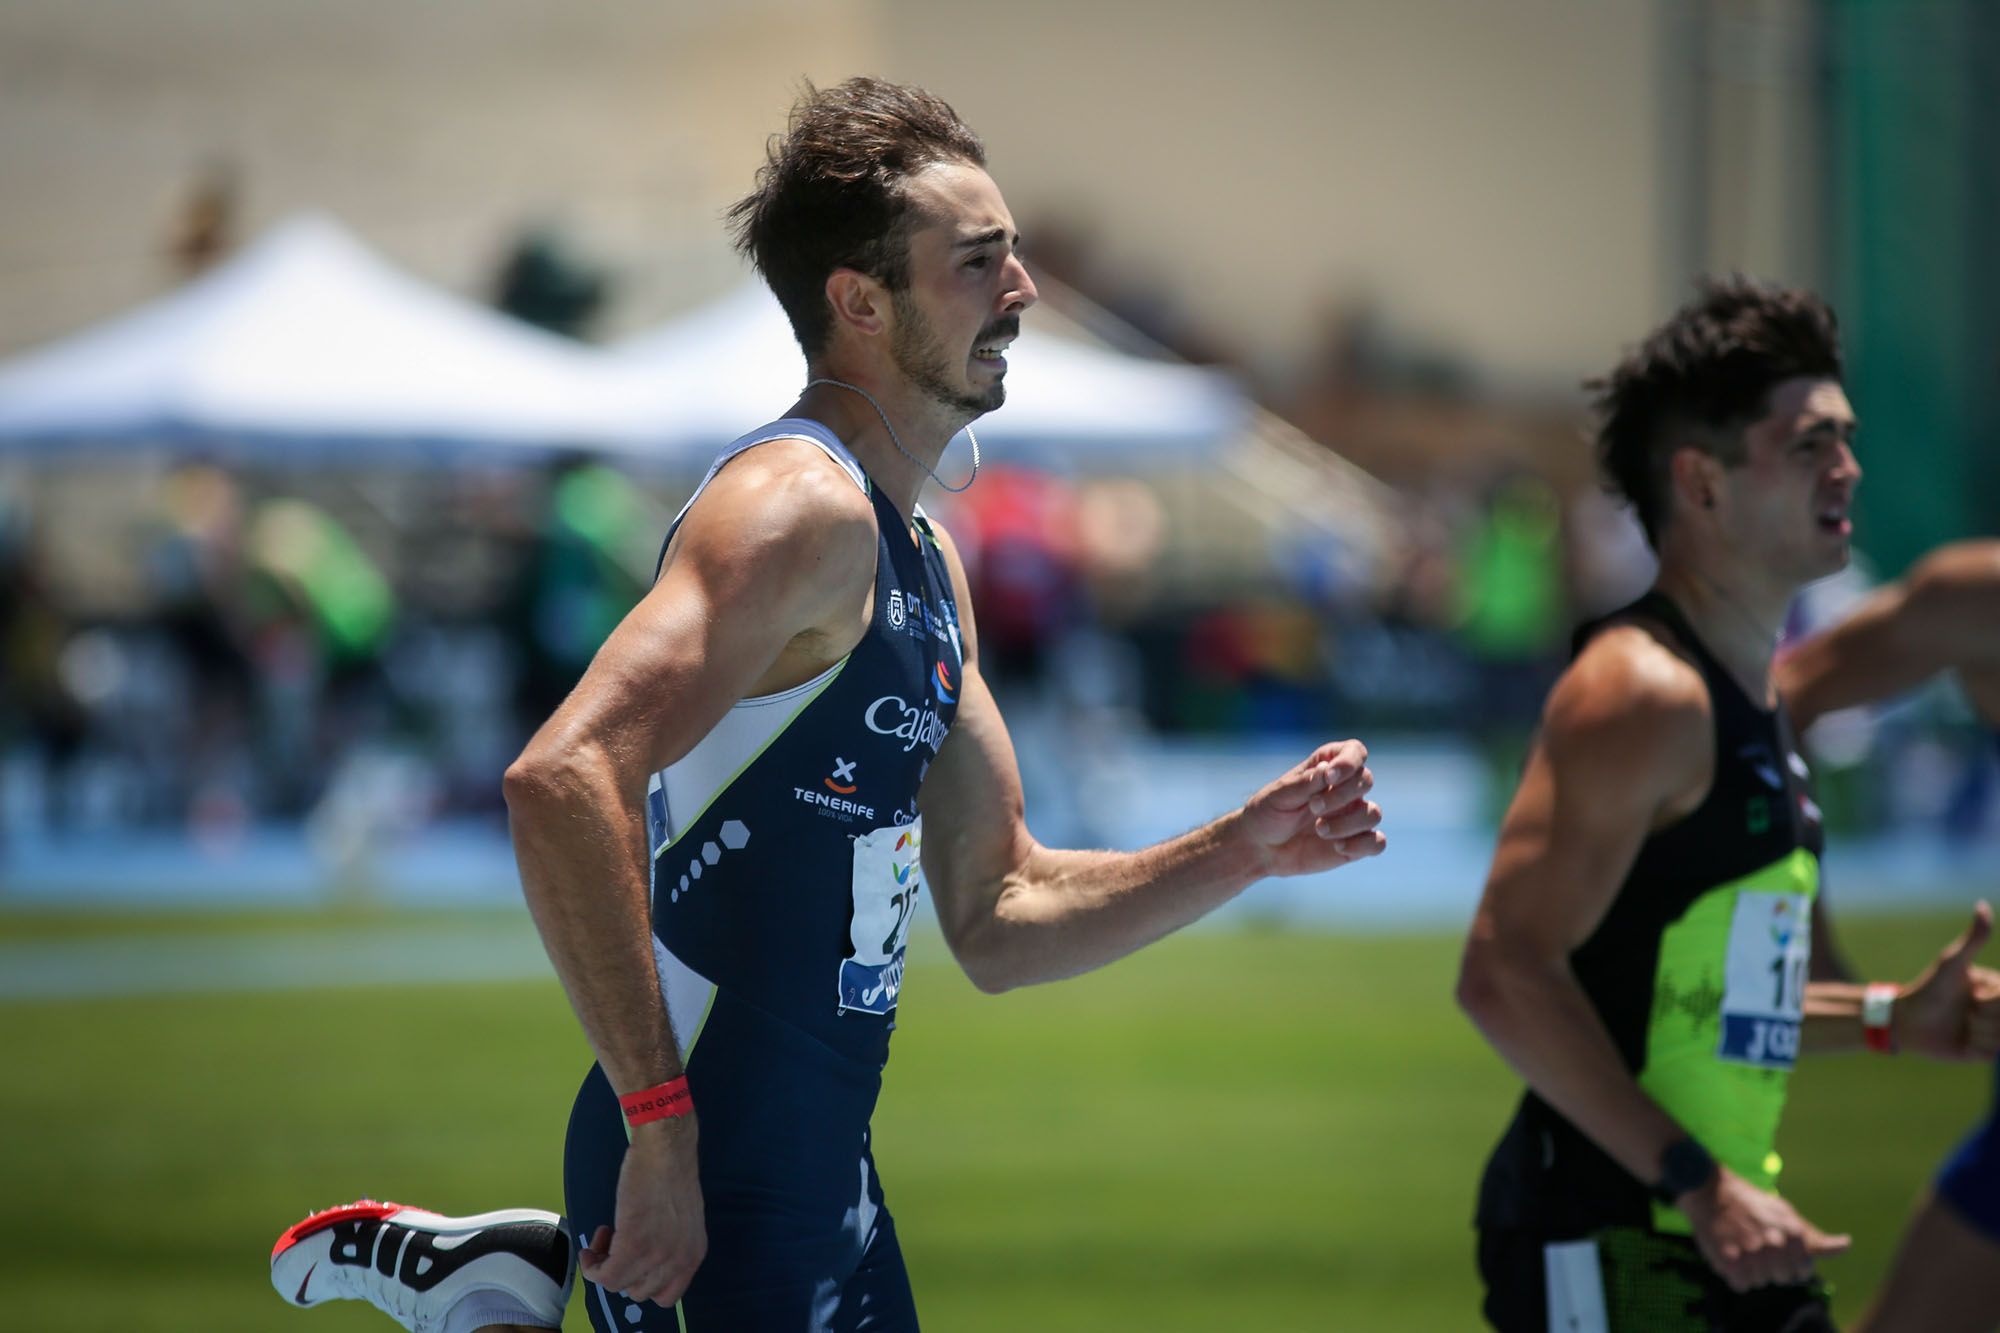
(783,507)
(1634,708)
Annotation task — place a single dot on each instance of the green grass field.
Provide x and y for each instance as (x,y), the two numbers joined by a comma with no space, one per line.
(1237,1130)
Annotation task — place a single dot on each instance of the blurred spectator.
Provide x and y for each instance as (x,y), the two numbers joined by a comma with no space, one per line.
(545,284)
(1511,617)
(41,722)
(573,586)
(205,229)
(196,576)
(1510,606)
(1020,533)
(323,572)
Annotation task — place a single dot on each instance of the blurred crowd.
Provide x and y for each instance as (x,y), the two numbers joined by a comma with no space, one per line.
(367,652)
(186,646)
(284,649)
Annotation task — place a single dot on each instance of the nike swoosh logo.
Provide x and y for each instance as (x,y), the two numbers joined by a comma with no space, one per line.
(301,1297)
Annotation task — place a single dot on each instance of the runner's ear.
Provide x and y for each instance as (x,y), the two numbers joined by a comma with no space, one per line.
(859,303)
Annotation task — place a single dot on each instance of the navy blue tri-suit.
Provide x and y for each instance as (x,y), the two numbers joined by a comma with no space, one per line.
(785,872)
(1970,1178)
(1969,1181)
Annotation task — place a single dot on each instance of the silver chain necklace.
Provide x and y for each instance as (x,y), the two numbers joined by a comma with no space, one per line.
(897,440)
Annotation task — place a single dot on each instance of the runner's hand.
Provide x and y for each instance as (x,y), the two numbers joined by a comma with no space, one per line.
(1753,1238)
(659,1237)
(1317,815)
(1936,1013)
(1982,1030)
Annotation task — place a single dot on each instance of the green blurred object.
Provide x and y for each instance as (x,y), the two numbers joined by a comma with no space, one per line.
(596,503)
(1510,582)
(1248,1131)
(308,551)
(582,588)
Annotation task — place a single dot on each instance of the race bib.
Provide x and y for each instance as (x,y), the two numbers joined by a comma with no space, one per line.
(888,876)
(1764,991)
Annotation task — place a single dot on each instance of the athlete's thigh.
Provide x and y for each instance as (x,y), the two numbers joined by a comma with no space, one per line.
(877,1299)
(593,1154)
(1510,1266)
(612,1313)
(720,1300)
(1970,1179)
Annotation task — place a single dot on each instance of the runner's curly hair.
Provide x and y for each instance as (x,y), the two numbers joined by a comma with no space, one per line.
(831,192)
(1700,378)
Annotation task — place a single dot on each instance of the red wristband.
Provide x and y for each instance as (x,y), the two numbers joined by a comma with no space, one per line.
(663,1102)
(1878,1001)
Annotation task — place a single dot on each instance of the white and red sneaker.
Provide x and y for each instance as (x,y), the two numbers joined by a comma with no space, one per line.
(414,1266)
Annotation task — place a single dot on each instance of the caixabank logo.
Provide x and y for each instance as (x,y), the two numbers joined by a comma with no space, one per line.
(912,724)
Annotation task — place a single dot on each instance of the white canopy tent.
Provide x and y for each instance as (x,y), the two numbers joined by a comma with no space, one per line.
(1232,476)
(706,377)
(307,340)
(308,345)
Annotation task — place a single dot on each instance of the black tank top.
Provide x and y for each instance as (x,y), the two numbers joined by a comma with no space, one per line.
(1697,970)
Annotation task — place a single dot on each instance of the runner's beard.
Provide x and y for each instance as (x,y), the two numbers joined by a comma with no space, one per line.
(925,362)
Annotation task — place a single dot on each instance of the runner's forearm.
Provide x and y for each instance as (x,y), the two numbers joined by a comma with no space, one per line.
(1539,1019)
(1062,913)
(1832,1018)
(580,843)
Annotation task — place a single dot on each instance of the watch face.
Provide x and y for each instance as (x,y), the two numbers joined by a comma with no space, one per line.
(1683,1167)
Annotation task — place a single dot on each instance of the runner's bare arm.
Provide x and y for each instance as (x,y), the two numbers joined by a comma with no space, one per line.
(1945,1012)
(1625,746)
(767,583)
(1946,1275)
(1944,615)
(779,538)
(1016,913)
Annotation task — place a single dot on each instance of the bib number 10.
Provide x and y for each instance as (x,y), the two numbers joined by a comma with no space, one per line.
(1789,974)
(1770,955)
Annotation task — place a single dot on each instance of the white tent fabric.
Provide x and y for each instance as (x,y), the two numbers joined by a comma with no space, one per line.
(310,339)
(706,377)
(309,345)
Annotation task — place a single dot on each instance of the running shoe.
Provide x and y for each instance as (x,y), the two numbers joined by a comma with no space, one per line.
(414,1266)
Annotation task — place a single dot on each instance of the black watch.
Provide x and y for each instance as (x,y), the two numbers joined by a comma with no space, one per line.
(1684,1166)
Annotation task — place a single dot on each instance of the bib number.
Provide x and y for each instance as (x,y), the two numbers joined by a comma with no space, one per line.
(1763,1001)
(888,877)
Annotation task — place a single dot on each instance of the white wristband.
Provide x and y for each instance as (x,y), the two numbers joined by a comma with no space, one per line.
(1878,1012)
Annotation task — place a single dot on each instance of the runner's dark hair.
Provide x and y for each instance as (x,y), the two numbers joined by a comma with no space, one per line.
(1700,378)
(831,193)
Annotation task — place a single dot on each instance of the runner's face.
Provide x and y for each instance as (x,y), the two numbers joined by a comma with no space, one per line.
(1792,494)
(967,290)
